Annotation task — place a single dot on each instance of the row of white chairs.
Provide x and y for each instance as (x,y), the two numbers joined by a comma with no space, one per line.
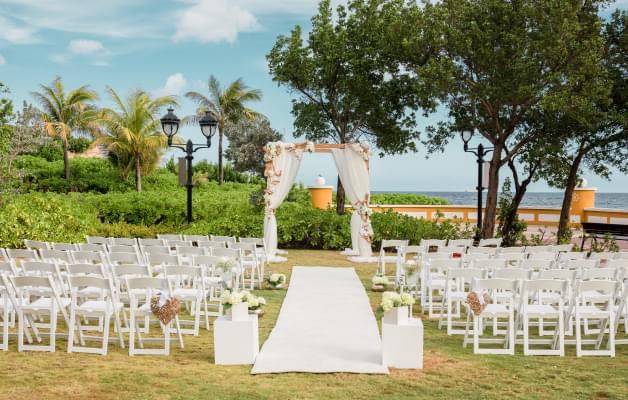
(84,291)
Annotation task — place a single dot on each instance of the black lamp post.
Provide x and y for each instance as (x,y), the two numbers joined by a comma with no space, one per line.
(170,125)
(480,152)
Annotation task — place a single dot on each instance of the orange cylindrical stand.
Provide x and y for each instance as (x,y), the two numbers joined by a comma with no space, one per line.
(583,198)
(321,196)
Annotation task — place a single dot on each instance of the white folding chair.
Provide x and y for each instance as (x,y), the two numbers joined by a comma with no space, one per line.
(536,265)
(20,255)
(617,263)
(603,256)
(151,242)
(622,255)
(585,310)
(6,304)
(141,290)
(407,253)
(262,255)
(536,304)
(56,256)
(250,264)
(212,243)
(435,281)
(214,281)
(490,264)
(181,243)
(196,238)
(124,258)
(37,297)
(103,309)
(186,284)
(504,309)
(571,255)
(432,244)
(186,253)
(234,276)
(102,248)
(457,288)
(621,311)
(464,243)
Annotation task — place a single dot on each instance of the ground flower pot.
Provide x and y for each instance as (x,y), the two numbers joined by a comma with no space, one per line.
(396,316)
(239,312)
(378,288)
(258,311)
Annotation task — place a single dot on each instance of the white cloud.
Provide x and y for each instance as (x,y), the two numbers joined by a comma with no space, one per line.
(15,34)
(214,21)
(3,60)
(60,58)
(86,47)
(174,85)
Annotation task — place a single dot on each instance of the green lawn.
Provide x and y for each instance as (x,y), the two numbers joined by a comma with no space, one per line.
(451,372)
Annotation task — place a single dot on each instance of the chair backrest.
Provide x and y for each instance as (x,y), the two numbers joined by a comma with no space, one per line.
(513,273)
(603,255)
(460,243)
(555,286)
(76,282)
(92,247)
(622,255)
(131,270)
(43,282)
(219,238)
(602,287)
(59,256)
(511,256)
(490,263)
(444,264)
(511,250)
(151,242)
(536,265)
(495,242)
(191,251)
(475,256)
(90,257)
(7,267)
(495,284)
(580,264)
(162,259)
(123,241)
(146,283)
(393,244)
(599,273)
(539,249)
(247,248)
(572,255)
(36,244)
(86,269)
(258,241)
(123,248)
(40,268)
(23,254)
(64,246)
(212,243)
(196,238)
(155,250)
(175,243)
(98,240)
(235,254)
(169,236)
(618,263)
(205,260)
(182,271)
(543,255)
(411,250)
(467,274)
(563,274)
(124,258)
(437,256)
(482,250)
(432,244)
(561,248)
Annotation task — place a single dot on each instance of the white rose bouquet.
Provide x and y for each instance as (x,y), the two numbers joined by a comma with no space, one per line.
(228,298)
(410,267)
(225,264)
(276,280)
(394,299)
(379,283)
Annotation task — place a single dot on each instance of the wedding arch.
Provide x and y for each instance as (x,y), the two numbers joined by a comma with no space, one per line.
(352,162)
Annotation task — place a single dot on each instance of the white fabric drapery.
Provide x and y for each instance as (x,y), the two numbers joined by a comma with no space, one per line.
(285,166)
(354,176)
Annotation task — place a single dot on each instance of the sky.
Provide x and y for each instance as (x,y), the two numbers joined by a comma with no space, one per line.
(170,47)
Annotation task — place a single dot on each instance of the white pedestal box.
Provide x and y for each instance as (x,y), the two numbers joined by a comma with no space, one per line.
(238,312)
(396,316)
(403,344)
(236,342)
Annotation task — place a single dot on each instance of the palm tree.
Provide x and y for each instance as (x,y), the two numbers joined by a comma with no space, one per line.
(132,132)
(65,113)
(227,106)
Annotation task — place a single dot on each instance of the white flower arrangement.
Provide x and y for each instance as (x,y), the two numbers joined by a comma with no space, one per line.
(228,299)
(363,149)
(391,300)
(225,263)
(380,280)
(276,280)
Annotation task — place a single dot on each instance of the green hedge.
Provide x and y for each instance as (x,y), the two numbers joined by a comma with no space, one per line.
(406,198)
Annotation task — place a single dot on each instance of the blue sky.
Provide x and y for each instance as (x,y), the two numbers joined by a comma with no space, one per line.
(169,47)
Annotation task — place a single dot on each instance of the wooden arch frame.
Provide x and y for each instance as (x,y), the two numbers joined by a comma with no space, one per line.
(322,148)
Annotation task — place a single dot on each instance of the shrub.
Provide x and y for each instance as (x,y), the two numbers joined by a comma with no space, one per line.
(406,198)
(47,217)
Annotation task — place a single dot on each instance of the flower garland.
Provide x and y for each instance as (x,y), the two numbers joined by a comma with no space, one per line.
(364,211)
(363,149)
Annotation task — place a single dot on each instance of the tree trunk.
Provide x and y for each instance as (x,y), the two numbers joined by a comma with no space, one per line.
(220,168)
(572,180)
(509,219)
(340,198)
(138,174)
(66,158)
(488,225)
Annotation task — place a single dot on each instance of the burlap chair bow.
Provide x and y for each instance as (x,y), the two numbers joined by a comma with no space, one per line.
(477,303)
(165,309)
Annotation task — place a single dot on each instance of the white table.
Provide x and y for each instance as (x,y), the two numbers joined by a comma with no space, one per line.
(402,345)
(235,342)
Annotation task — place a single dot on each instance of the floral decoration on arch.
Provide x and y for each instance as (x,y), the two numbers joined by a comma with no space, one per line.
(364,211)
(363,149)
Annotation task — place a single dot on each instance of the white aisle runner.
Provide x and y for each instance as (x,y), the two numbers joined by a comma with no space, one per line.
(326,324)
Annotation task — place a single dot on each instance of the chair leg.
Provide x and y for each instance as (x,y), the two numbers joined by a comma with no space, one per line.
(118,328)
(132,328)
(476,334)
(71,330)
(578,337)
(20,330)
(105,333)
(526,335)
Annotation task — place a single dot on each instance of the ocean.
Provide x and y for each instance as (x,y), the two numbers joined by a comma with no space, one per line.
(537,199)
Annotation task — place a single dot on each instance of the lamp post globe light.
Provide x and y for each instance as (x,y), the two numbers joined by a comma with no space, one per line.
(170,125)
(479,152)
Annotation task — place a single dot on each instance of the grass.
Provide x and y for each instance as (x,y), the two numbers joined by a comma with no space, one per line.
(450,371)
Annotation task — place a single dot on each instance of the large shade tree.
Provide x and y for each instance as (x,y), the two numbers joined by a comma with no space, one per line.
(228,105)
(132,132)
(64,113)
(355,77)
(500,62)
(246,144)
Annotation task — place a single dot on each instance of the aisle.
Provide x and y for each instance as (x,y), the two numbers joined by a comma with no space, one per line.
(325,325)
